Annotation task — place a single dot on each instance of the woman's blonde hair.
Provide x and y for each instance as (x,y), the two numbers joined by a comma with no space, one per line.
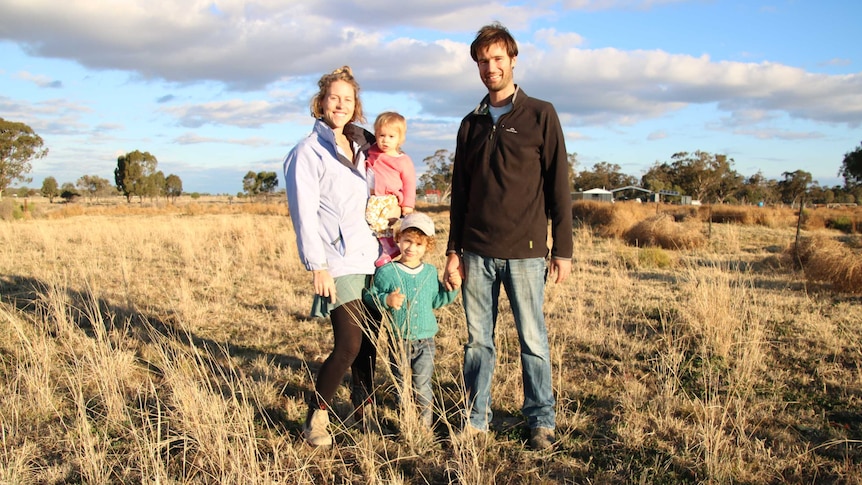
(341,74)
(393,120)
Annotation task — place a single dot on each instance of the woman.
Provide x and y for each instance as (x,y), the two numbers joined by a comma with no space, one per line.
(327,192)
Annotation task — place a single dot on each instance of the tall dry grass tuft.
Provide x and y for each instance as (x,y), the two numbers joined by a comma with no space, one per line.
(607,220)
(663,231)
(825,259)
(710,369)
(771,216)
(724,214)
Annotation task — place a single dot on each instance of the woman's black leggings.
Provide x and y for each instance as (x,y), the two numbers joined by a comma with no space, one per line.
(355,328)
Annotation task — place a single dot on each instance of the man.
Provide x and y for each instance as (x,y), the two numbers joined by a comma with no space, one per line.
(510,176)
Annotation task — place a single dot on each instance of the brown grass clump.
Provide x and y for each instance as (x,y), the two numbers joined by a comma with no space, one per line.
(748,215)
(728,214)
(607,220)
(645,258)
(662,231)
(772,217)
(845,219)
(826,259)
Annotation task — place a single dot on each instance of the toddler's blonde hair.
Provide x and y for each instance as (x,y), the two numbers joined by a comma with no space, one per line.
(391,119)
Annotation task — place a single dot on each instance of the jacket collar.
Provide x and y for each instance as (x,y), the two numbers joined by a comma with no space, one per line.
(354,133)
(484,107)
(359,136)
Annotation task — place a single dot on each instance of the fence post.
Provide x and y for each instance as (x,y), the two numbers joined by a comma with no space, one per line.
(799,231)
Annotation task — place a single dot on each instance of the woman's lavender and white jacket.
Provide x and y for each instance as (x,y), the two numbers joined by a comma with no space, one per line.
(327,196)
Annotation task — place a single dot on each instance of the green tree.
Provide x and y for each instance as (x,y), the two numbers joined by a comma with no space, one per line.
(794,186)
(260,183)
(133,172)
(705,176)
(249,183)
(93,186)
(50,189)
(69,192)
(19,145)
(851,167)
(701,175)
(173,187)
(267,182)
(603,175)
(155,185)
(756,189)
(659,177)
(573,168)
(438,174)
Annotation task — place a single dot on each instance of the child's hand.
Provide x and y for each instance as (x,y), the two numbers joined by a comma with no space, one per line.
(406,210)
(395,299)
(455,280)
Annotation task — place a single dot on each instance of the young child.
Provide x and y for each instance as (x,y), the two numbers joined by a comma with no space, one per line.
(408,291)
(392,180)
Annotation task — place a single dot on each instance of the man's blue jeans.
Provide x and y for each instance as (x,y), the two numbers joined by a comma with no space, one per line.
(524,281)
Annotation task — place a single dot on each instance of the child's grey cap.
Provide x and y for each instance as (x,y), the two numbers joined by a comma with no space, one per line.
(419,221)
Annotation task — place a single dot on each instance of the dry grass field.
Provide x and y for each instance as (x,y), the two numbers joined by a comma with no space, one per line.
(170,344)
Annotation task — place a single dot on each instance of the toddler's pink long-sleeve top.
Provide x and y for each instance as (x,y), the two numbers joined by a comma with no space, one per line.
(393,176)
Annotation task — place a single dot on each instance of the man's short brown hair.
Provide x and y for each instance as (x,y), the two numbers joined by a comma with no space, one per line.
(492,34)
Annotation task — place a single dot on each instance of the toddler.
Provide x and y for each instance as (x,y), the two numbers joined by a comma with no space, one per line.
(391,180)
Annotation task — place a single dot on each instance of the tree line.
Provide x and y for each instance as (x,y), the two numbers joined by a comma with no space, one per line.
(711,178)
(135,175)
(704,176)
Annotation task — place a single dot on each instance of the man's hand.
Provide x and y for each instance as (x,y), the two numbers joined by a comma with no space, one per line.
(324,285)
(559,269)
(453,274)
(395,299)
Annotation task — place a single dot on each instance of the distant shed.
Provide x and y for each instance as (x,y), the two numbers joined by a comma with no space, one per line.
(600,195)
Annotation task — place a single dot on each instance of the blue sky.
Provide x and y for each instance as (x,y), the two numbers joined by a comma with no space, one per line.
(215,89)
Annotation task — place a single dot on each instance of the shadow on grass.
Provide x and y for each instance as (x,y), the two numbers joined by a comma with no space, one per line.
(31,296)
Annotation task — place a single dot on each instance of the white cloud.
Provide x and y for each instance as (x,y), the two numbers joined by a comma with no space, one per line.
(577,136)
(244,45)
(657,135)
(41,81)
(778,134)
(615,86)
(837,61)
(249,46)
(233,112)
(192,139)
(52,116)
(617,4)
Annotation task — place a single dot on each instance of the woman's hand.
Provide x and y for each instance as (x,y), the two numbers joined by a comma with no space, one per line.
(324,284)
